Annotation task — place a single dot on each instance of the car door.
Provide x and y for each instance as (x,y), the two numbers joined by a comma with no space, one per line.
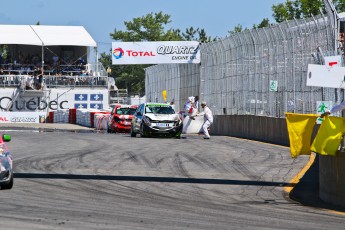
(138,116)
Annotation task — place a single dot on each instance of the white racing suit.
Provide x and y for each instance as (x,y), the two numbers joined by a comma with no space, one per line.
(208,120)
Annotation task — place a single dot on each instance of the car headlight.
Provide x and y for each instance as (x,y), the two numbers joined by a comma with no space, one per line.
(147,121)
(178,122)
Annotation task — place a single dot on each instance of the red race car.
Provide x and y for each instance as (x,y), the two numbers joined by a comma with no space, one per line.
(120,118)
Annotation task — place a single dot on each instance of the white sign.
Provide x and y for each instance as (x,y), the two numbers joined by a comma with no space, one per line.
(326,76)
(22,117)
(124,53)
(333,61)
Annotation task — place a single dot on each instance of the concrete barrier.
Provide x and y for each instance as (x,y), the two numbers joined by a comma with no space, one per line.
(332,179)
(260,128)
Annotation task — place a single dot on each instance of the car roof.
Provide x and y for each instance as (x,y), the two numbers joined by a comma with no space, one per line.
(154,103)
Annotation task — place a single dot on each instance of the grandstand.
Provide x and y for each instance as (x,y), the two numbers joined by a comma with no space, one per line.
(53,63)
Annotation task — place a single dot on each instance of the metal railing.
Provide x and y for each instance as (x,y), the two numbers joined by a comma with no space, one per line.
(53,81)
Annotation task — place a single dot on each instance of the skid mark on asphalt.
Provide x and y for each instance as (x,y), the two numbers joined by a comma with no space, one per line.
(181,170)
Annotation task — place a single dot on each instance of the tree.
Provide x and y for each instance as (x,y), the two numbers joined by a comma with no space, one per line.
(302,9)
(151,27)
(264,23)
(236,29)
(190,34)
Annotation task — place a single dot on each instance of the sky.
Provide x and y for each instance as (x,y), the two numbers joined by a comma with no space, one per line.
(101,17)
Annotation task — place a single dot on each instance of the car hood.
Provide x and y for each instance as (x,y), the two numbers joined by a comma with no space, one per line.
(123,116)
(162,117)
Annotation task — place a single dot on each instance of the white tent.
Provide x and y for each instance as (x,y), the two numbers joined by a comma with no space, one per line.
(18,34)
(45,35)
(48,37)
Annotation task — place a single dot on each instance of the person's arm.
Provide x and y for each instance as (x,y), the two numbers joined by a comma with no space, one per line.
(337,108)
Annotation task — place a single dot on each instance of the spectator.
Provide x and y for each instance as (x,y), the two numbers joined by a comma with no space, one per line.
(55,60)
(29,83)
(334,109)
(172,104)
(208,119)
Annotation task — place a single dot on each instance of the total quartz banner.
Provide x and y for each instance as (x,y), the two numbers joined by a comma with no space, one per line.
(22,117)
(180,52)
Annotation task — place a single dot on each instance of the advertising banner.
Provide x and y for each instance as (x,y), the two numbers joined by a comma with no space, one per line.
(124,53)
(22,117)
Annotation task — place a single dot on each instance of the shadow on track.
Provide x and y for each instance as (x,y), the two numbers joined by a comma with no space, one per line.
(149,179)
(306,190)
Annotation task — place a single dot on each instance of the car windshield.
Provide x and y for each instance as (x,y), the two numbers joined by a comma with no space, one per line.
(125,111)
(158,109)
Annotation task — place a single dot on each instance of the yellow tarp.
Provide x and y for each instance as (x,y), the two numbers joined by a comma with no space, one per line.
(300,128)
(329,136)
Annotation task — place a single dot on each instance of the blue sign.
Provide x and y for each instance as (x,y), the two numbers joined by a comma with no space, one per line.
(96,106)
(80,97)
(96,97)
(80,106)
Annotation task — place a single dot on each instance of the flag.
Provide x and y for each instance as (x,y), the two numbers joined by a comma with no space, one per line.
(164,94)
(329,136)
(300,128)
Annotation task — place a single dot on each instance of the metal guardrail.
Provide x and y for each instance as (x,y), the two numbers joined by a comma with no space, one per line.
(51,81)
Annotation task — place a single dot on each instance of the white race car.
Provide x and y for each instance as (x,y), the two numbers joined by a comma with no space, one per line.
(6,166)
(156,119)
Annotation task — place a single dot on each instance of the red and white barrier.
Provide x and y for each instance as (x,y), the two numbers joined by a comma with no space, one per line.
(101,121)
(88,118)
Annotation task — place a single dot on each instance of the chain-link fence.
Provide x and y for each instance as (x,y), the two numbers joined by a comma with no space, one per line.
(179,80)
(258,72)
(264,71)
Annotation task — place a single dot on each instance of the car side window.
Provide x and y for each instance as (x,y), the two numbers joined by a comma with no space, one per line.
(142,109)
(148,109)
(139,108)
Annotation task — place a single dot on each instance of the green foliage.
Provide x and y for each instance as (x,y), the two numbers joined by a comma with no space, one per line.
(4,51)
(340,5)
(264,23)
(302,9)
(236,29)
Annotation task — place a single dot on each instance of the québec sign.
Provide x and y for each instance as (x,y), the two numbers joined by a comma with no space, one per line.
(32,104)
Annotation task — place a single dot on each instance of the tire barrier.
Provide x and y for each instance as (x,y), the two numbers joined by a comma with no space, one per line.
(87,118)
(61,116)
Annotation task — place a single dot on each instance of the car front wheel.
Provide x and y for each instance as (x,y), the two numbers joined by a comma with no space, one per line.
(9,185)
(142,133)
(133,134)
(108,129)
